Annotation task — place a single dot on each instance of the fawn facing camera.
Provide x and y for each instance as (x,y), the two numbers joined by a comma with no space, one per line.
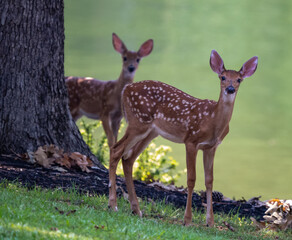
(157,109)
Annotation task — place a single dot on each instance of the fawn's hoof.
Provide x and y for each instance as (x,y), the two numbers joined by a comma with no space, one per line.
(210,223)
(187,221)
(114,208)
(112,205)
(137,212)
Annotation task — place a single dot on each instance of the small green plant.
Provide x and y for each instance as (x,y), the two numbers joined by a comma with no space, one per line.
(89,132)
(153,164)
(102,152)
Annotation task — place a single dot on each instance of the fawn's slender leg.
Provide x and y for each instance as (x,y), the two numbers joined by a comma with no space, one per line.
(208,156)
(106,124)
(115,124)
(114,160)
(191,154)
(128,171)
(116,153)
(121,148)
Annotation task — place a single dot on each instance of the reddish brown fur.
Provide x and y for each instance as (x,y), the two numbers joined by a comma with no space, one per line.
(167,108)
(154,108)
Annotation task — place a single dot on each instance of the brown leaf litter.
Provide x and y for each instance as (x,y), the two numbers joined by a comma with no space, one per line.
(49,156)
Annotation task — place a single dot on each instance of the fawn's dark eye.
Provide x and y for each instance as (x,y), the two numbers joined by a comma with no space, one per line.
(223,78)
(125,59)
(138,60)
(238,80)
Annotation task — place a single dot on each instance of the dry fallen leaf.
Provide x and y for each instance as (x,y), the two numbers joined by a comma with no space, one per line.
(221,228)
(80,161)
(71,211)
(48,155)
(42,158)
(64,161)
(97,227)
(90,163)
(50,149)
(60,211)
(229,226)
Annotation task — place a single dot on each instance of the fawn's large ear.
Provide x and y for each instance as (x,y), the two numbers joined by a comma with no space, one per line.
(216,62)
(118,44)
(249,67)
(146,48)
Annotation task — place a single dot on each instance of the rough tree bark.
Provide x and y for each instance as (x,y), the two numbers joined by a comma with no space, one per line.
(33,97)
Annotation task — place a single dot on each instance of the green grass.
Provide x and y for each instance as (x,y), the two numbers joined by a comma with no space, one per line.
(55,214)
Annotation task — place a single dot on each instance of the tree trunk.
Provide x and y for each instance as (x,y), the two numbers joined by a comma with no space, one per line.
(33,97)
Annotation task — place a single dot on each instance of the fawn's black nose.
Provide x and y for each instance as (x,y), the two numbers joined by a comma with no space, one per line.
(230,89)
(131,68)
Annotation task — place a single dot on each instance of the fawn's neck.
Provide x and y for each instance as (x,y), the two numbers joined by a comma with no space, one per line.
(124,79)
(223,110)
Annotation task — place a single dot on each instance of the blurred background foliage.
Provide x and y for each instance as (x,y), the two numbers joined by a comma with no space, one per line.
(256,157)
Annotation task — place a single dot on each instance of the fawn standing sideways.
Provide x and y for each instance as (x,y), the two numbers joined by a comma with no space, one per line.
(154,108)
(102,99)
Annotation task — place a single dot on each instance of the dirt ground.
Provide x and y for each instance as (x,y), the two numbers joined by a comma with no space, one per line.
(97,182)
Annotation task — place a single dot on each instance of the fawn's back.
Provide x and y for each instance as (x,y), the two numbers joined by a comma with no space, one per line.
(92,97)
(166,107)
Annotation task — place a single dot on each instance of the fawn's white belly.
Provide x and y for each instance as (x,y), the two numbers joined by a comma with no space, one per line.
(167,135)
(89,115)
(209,144)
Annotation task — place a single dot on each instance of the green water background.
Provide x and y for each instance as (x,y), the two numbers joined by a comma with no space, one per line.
(256,156)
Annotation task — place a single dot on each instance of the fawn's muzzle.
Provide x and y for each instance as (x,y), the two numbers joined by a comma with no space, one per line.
(230,89)
(131,68)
